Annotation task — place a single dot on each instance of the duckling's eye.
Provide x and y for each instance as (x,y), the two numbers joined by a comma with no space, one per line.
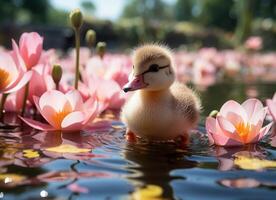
(154,68)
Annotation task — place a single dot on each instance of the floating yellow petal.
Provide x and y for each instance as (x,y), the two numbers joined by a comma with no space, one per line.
(30,153)
(248,163)
(67,148)
(11,178)
(150,192)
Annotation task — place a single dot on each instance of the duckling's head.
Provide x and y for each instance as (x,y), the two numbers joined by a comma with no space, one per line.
(152,69)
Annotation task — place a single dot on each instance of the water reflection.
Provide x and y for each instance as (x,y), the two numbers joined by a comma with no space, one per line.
(151,164)
(214,96)
(54,161)
(226,156)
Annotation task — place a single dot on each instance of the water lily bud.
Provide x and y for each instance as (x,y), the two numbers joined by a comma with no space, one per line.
(76,18)
(90,37)
(57,74)
(214,113)
(101,47)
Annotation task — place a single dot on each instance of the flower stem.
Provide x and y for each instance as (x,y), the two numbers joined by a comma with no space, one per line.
(77,38)
(57,86)
(26,93)
(2,104)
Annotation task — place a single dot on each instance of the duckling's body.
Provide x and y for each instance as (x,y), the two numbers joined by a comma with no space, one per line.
(160,112)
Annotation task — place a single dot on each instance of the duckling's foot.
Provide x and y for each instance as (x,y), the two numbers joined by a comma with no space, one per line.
(130,136)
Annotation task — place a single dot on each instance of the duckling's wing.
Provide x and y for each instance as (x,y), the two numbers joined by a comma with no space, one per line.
(186,101)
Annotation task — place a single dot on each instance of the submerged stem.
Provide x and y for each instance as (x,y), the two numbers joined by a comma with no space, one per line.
(2,104)
(77,39)
(26,93)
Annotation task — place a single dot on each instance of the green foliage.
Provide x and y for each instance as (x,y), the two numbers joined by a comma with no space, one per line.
(217,13)
(87,6)
(33,11)
(147,9)
(183,10)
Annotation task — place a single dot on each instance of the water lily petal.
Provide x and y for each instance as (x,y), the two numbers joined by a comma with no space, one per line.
(225,125)
(253,137)
(23,81)
(73,121)
(252,106)
(37,125)
(17,57)
(265,130)
(48,114)
(75,100)
(217,136)
(233,107)
(91,110)
(271,104)
(258,116)
(227,128)
(51,96)
(210,125)
(274,97)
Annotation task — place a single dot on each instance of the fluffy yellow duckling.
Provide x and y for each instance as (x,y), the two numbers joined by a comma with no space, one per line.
(161,108)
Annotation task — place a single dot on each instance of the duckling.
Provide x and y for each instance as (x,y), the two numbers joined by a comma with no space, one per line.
(160,108)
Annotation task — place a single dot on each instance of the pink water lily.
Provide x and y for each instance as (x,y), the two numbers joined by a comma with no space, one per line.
(254,43)
(271,104)
(66,112)
(40,83)
(30,48)
(108,92)
(13,74)
(238,124)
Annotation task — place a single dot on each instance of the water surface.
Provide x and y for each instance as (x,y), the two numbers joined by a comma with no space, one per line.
(102,165)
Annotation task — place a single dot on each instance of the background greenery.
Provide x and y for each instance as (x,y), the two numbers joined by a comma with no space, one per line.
(189,23)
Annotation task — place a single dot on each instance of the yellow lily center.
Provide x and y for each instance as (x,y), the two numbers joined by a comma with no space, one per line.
(60,115)
(5,79)
(243,130)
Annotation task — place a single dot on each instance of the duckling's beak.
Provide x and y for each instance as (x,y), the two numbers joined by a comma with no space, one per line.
(135,83)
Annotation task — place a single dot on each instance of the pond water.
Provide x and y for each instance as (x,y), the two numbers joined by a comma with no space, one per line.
(100,164)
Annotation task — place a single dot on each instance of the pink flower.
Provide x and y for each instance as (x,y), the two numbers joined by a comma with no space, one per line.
(14,102)
(66,112)
(108,92)
(30,48)
(238,124)
(254,43)
(271,104)
(40,83)
(13,74)
(113,67)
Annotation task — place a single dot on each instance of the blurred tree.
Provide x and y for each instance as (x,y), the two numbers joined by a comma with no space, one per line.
(8,10)
(265,9)
(38,10)
(87,6)
(183,10)
(246,12)
(149,9)
(151,12)
(34,11)
(217,14)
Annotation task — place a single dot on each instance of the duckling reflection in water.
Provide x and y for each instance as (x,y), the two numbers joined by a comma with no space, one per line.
(161,108)
(150,168)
